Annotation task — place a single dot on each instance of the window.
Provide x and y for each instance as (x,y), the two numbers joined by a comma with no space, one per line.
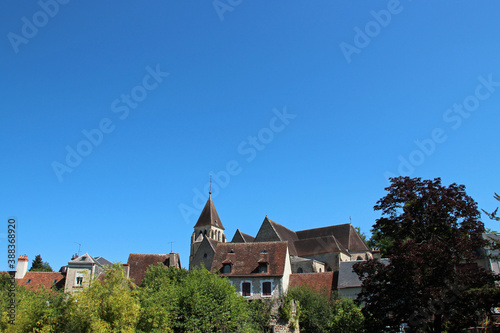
(246,289)
(29,281)
(204,255)
(79,278)
(226,268)
(300,270)
(359,258)
(266,288)
(262,267)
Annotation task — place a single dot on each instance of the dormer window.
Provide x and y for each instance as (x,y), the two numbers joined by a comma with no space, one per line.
(226,268)
(262,267)
(29,281)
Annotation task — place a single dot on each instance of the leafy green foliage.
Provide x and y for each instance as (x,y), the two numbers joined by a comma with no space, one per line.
(40,311)
(319,313)
(38,265)
(208,303)
(431,279)
(109,304)
(260,314)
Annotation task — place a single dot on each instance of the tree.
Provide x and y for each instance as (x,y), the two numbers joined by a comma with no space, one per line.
(493,215)
(109,304)
(435,232)
(38,265)
(208,303)
(43,310)
(320,313)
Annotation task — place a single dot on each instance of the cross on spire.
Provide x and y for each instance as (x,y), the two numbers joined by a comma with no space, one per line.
(210,190)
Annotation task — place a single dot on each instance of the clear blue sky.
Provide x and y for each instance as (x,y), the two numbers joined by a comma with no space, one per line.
(306,109)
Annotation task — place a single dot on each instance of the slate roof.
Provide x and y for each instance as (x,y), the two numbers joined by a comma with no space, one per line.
(139,263)
(102,261)
(35,280)
(241,237)
(86,259)
(318,245)
(245,258)
(344,233)
(315,281)
(209,216)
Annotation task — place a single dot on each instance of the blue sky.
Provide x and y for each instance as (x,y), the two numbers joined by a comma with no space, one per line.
(113,115)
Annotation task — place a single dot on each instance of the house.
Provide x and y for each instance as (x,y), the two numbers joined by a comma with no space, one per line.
(256,270)
(35,280)
(80,271)
(139,263)
(349,284)
(489,258)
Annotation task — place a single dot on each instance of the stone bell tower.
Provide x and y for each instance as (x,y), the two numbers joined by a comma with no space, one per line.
(208,228)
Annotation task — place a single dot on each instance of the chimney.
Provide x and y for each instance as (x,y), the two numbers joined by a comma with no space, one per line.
(126,270)
(22,266)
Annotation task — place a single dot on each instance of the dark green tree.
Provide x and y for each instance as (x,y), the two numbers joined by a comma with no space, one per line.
(435,232)
(38,265)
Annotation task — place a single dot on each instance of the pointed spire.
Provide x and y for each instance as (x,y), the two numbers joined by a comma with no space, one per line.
(209,216)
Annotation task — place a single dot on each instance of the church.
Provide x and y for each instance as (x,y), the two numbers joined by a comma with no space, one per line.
(264,265)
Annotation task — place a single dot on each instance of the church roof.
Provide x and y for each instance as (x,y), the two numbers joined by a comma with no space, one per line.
(347,236)
(209,216)
(241,237)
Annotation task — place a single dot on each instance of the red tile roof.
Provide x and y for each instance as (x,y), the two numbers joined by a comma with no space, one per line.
(34,280)
(245,258)
(316,281)
(139,263)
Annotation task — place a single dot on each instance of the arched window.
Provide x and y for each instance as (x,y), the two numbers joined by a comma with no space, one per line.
(300,270)
(359,258)
(328,269)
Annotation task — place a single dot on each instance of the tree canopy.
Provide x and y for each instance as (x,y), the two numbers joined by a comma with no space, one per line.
(38,265)
(432,234)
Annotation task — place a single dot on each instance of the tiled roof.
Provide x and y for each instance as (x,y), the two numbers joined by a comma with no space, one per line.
(318,245)
(344,233)
(34,280)
(245,258)
(139,263)
(315,281)
(209,216)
